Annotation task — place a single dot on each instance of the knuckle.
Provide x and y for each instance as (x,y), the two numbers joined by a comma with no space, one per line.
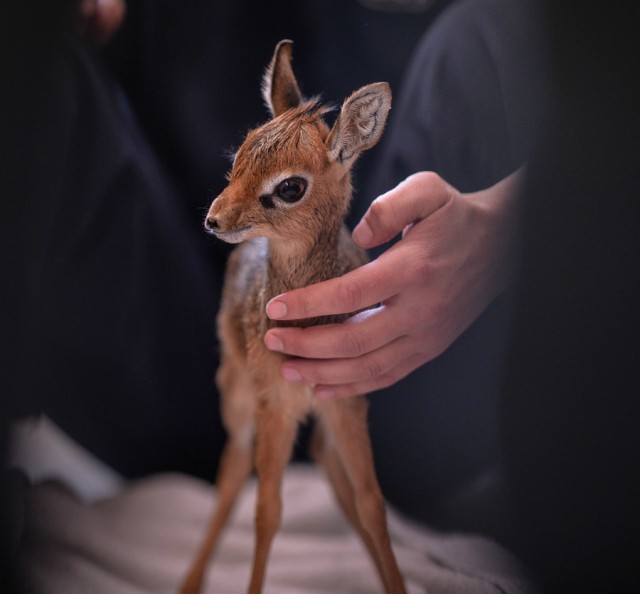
(377,210)
(428,179)
(394,375)
(350,295)
(421,267)
(419,270)
(382,382)
(354,344)
(372,368)
(388,380)
(429,183)
(380,213)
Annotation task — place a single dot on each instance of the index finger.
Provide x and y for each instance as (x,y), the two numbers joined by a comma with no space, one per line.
(415,198)
(358,289)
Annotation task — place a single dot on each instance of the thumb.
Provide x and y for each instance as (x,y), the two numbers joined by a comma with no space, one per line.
(413,199)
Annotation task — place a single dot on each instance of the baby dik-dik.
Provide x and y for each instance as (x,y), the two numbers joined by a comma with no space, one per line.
(288,193)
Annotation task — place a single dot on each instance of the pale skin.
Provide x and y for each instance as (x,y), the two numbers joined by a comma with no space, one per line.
(453,260)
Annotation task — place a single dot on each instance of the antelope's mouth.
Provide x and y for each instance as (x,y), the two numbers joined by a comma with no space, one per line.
(232,235)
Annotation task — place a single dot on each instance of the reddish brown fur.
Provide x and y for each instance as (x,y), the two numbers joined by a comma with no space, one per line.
(286,246)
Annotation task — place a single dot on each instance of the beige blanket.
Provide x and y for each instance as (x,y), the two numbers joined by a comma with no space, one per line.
(143,538)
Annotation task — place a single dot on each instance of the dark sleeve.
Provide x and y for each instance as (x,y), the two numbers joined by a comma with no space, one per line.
(571,409)
(467,106)
(465,112)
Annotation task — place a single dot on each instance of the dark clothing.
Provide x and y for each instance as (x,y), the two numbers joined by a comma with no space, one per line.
(570,410)
(119,338)
(551,433)
(467,110)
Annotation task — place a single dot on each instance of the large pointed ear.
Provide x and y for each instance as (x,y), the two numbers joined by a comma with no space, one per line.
(360,123)
(279,86)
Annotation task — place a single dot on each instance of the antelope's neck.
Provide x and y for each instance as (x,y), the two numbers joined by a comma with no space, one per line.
(293,265)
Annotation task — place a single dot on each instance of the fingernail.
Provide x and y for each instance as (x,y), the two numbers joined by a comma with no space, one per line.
(363,234)
(273,343)
(324,393)
(291,375)
(276,310)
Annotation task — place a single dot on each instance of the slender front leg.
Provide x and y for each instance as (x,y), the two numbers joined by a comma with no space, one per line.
(275,435)
(237,393)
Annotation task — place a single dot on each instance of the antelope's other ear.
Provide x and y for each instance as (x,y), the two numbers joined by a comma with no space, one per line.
(360,123)
(279,86)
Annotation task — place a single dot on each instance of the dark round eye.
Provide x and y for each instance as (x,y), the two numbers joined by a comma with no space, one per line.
(291,189)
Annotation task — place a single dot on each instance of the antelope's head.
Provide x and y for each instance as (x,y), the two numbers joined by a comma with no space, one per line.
(290,178)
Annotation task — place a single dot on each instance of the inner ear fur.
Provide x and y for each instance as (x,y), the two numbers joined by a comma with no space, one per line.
(279,86)
(361,121)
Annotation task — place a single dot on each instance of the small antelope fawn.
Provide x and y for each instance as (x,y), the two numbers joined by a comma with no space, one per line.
(288,193)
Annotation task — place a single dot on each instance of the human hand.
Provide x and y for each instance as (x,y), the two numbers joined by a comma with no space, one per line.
(453,259)
(100,19)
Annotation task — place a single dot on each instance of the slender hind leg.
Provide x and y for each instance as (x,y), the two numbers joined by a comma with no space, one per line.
(235,464)
(275,435)
(325,454)
(352,462)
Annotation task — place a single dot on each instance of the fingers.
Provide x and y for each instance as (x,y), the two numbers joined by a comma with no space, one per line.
(358,289)
(360,334)
(372,350)
(335,372)
(400,371)
(416,198)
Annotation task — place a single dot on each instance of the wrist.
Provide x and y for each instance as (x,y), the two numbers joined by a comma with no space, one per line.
(497,209)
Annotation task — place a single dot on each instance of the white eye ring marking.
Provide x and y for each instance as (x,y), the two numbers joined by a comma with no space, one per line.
(270,184)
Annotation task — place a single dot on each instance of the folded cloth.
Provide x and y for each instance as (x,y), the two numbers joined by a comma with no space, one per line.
(144,538)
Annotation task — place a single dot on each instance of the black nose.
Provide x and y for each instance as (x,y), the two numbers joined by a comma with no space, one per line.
(211,223)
